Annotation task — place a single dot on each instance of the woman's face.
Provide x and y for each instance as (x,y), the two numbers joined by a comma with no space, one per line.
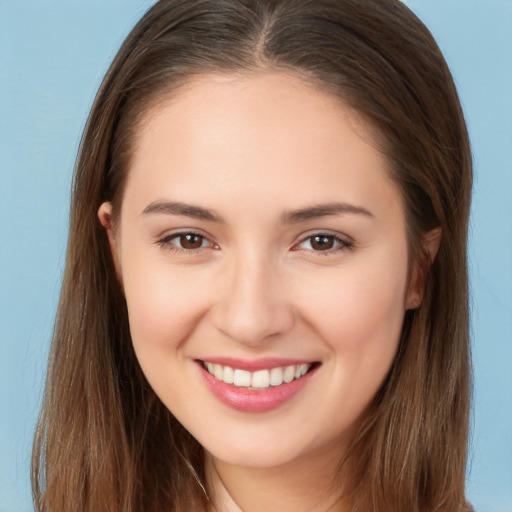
(260,237)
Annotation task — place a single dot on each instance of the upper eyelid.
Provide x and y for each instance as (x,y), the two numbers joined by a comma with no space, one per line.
(327,232)
(165,240)
(298,240)
(345,243)
(188,231)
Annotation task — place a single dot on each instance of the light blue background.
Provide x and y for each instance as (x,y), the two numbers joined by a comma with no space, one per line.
(52,57)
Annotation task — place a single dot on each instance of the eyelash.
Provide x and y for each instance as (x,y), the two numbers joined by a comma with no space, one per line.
(340,244)
(166,242)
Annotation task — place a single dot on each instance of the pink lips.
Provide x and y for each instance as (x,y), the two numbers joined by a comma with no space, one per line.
(248,400)
(255,365)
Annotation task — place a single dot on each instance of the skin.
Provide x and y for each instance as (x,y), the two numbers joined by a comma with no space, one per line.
(251,148)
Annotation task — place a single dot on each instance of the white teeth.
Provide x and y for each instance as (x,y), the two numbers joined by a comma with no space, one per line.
(276,376)
(218,371)
(289,374)
(228,375)
(260,379)
(242,378)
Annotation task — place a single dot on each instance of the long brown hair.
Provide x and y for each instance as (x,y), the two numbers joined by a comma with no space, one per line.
(105,442)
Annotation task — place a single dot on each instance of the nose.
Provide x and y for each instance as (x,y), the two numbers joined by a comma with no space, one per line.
(252,306)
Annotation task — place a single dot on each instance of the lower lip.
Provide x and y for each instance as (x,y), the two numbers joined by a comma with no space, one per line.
(248,400)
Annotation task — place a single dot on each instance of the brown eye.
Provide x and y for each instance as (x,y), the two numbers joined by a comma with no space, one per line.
(186,242)
(322,242)
(191,241)
(325,244)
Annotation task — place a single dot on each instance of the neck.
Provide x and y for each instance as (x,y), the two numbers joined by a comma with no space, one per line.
(311,485)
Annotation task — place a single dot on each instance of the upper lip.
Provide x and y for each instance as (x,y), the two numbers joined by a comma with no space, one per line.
(253,365)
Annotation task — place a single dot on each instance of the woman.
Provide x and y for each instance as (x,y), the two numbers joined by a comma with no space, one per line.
(265,298)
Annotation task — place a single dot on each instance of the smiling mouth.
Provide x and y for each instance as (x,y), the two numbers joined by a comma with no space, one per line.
(258,380)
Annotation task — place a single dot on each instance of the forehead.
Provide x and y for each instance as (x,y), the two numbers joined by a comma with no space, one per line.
(271,133)
(251,100)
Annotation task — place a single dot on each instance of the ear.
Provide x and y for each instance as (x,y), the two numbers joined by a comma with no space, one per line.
(105,217)
(421,268)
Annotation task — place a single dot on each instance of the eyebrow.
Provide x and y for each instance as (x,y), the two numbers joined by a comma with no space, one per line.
(187,210)
(324,210)
(291,217)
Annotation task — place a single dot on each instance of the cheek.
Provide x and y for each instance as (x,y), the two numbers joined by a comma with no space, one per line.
(358,311)
(164,306)
(358,314)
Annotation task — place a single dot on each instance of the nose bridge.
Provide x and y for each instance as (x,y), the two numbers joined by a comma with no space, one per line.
(254,305)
